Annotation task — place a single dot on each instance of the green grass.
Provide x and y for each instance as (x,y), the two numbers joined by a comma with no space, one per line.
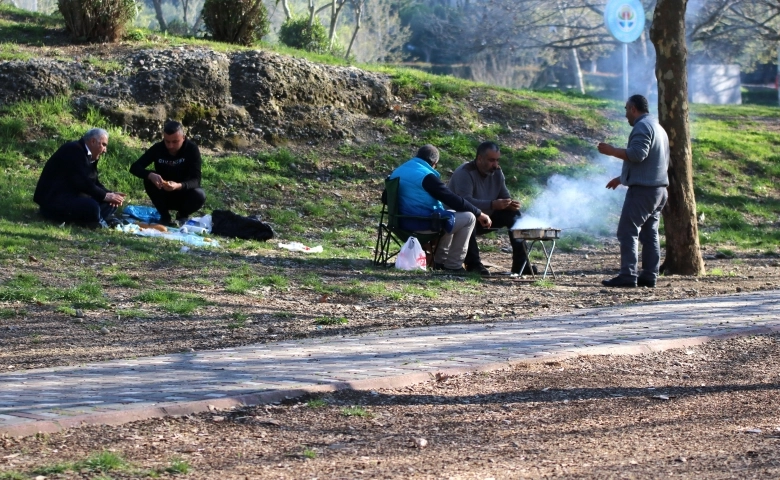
(29,289)
(238,320)
(11,313)
(13,475)
(125,280)
(356,411)
(316,403)
(275,280)
(102,462)
(736,174)
(178,466)
(543,283)
(310,454)
(173,302)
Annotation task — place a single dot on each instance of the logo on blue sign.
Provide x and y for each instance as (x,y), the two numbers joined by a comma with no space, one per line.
(625,19)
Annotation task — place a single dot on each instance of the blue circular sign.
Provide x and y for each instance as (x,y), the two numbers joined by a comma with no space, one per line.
(625,19)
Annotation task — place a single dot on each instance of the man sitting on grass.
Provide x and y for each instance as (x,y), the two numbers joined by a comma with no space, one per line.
(68,189)
(175,182)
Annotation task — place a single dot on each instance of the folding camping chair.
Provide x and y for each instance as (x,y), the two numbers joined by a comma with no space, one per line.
(390,237)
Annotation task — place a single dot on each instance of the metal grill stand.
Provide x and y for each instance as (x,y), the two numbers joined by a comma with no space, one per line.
(534,236)
(547,255)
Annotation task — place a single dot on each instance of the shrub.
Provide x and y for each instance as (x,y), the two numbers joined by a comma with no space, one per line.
(178,27)
(236,21)
(97,20)
(296,32)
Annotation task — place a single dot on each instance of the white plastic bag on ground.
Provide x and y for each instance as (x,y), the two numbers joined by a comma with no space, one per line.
(299,247)
(411,256)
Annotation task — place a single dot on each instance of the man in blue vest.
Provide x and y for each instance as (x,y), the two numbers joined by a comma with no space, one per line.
(422,193)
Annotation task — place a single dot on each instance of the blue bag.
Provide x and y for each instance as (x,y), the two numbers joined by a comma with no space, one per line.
(142,213)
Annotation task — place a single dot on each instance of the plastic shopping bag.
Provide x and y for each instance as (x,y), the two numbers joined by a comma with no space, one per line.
(411,256)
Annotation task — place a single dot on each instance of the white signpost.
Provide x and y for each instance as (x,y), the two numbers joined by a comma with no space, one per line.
(625,20)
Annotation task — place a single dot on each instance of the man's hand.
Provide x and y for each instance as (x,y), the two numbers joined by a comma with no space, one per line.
(156,180)
(171,186)
(501,203)
(514,206)
(115,199)
(484,220)
(614,183)
(606,149)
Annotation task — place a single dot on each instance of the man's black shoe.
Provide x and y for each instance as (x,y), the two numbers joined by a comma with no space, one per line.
(112,221)
(168,222)
(620,282)
(439,267)
(478,268)
(643,282)
(528,270)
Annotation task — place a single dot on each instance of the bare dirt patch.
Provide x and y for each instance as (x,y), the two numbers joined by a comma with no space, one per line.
(295,297)
(702,412)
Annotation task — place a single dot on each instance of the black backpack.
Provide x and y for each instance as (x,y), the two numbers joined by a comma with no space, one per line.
(228,224)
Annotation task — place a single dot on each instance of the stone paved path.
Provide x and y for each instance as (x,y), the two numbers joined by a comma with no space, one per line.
(116,391)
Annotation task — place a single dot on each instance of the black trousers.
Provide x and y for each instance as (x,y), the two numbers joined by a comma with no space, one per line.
(500,218)
(78,209)
(184,202)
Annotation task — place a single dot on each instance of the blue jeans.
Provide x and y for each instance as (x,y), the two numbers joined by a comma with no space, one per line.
(639,221)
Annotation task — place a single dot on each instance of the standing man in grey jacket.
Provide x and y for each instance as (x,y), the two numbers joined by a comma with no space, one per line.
(645,166)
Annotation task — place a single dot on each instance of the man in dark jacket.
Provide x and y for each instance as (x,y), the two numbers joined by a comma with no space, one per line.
(68,189)
(175,182)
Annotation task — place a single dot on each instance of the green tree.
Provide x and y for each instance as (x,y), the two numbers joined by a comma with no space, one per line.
(236,21)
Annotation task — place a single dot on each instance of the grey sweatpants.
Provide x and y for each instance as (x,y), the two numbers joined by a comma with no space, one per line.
(639,221)
(453,245)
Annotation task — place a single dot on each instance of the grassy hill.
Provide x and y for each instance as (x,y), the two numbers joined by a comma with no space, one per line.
(328,192)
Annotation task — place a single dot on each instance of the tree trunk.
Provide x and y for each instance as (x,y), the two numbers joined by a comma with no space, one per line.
(667,33)
(335,11)
(311,12)
(185,6)
(160,18)
(358,6)
(286,7)
(196,25)
(575,60)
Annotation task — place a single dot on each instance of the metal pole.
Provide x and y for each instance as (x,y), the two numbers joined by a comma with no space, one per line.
(625,71)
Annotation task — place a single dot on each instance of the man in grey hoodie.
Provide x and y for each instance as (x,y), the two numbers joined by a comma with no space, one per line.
(645,165)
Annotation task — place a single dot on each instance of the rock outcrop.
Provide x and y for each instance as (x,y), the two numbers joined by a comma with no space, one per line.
(233,99)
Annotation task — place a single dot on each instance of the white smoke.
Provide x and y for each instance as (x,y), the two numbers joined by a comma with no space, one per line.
(578,205)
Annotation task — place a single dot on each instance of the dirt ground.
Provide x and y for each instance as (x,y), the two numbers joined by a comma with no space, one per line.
(702,412)
(43,336)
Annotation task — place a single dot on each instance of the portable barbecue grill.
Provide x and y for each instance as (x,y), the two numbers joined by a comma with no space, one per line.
(532,236)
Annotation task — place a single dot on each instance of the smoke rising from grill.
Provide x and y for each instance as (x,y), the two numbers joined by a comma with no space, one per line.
(578,205)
